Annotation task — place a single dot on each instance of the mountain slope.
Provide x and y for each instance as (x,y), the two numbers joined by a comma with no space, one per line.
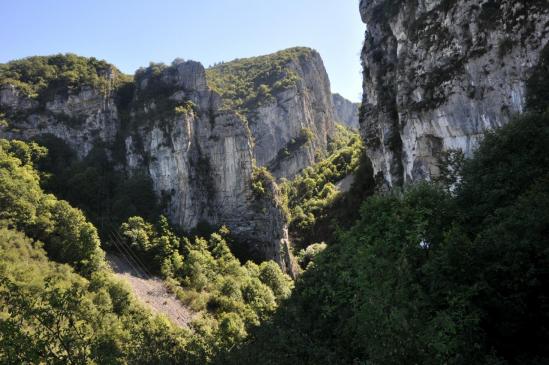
(165,125)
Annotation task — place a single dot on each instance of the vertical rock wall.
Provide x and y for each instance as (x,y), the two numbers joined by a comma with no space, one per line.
(439,73)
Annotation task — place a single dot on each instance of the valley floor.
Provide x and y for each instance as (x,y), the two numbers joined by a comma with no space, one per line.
(151,291)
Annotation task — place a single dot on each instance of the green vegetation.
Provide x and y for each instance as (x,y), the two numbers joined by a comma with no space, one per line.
(429,277)
(450,272)
(49,314)
(227,297)
(304,137)
(148,99)
(185,108)
(311,195)
(3,122)
(42,77)
(68,237)
(248,82)
(262,179)
(52,314)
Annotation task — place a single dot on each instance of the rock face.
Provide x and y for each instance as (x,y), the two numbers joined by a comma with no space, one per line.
(292,124)
(198,155)
(200,160)
(79,118)
(439,73)
(346,112)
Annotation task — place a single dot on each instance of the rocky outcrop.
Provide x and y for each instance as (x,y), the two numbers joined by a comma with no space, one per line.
(292,124)
(346,112)
(81,118)
(439,73)
(200,160)
(172,127)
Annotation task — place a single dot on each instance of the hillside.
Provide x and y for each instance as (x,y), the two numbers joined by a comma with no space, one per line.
(245,214)
(60,302)
(162,141)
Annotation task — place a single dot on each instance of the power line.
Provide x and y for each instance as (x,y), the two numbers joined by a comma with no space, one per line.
(136,258)
(127,256)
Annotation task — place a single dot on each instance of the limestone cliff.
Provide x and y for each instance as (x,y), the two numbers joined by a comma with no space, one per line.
(346,112)
(200,158)
(80,118)
(287,102)
(170,125)
(439,73)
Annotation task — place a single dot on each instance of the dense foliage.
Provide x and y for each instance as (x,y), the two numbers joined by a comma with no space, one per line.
(251,81)
(51,314)
(451,272)
(67,235)
(226,296)
(427,276)
(48,312)
(311,195)
(41,77)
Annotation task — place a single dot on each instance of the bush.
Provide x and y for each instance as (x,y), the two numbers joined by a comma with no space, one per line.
(262,180)
(311,195)
(107,196)
(52,315)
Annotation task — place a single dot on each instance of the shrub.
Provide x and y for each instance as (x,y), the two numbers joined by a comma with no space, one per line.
(262,180)
(311,194)
(429,277)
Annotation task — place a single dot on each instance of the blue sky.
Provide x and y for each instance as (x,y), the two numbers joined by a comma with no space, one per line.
(131,33)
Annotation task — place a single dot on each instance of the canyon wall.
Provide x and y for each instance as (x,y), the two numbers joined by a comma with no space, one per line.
(438,74)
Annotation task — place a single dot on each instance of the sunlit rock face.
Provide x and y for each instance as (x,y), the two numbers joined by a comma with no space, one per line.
(438,74)
(80,118)
(292,127)
(200,161)
(346,112)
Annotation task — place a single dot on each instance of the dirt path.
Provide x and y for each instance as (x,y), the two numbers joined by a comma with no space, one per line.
(152,292)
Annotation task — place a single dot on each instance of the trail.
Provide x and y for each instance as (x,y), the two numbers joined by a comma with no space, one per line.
(152,292)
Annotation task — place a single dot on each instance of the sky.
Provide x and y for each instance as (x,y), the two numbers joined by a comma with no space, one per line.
(132,33)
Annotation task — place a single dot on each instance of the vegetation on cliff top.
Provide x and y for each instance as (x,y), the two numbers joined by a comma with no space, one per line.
(41,77)
(247,82)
